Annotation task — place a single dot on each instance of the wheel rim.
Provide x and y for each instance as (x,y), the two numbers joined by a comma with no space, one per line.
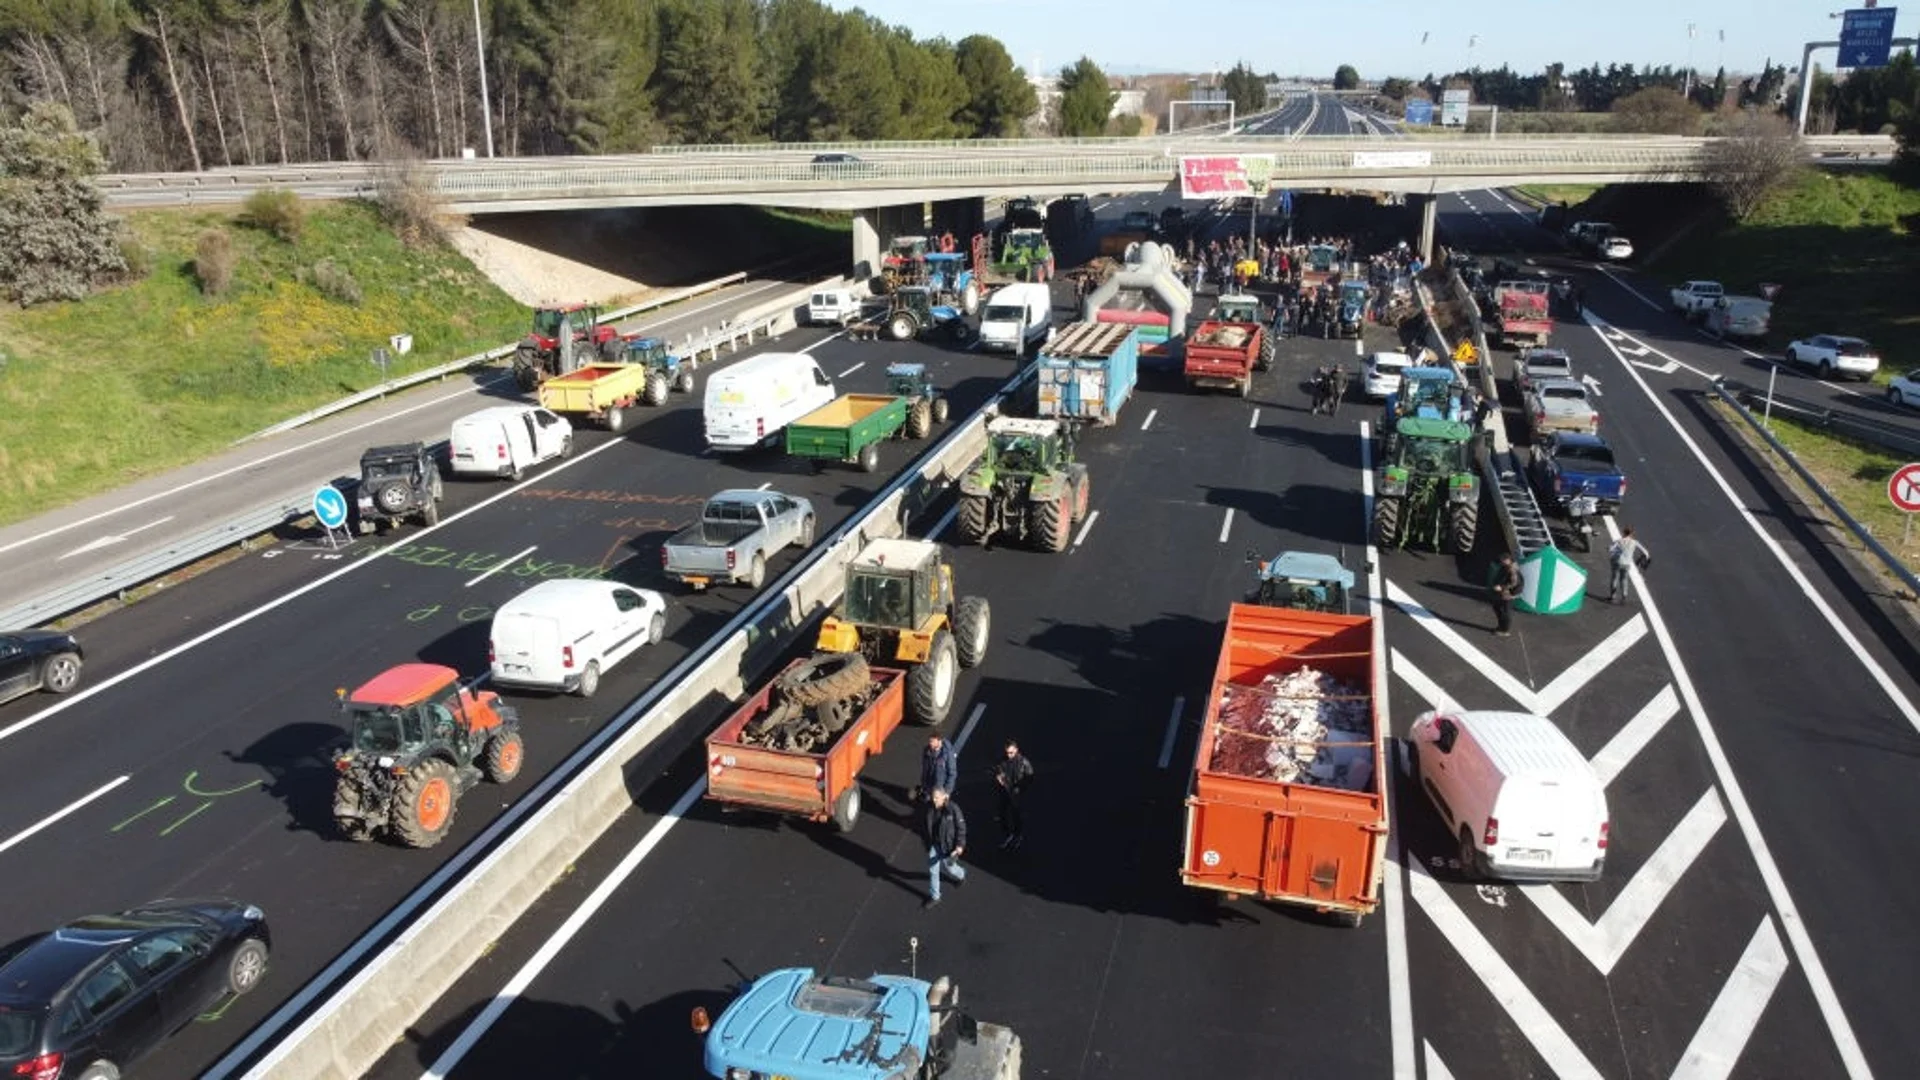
(436,800)
(248,969)
(980,632)
(853,804)
(62,674)
(657,629)
(510,752)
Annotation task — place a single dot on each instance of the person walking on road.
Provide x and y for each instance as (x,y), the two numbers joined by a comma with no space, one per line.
(1503,584)
(1011,776)
(1625,554)
(1338,391)
(939,768)
(945,830)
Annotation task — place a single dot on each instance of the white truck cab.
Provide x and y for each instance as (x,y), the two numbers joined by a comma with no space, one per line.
(1017,317)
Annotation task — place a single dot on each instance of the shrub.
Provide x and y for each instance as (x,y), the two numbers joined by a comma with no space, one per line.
(335,282)
(409,204)
(137,254)
(277,211)
(213,261)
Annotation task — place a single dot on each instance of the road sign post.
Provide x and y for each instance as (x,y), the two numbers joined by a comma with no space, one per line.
(1866,37)
(1903,488)
(330,510)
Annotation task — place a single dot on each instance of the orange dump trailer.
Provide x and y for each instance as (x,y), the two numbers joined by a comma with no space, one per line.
(1288,800)
(801,764)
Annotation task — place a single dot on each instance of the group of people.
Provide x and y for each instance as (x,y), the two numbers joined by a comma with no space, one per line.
(942,824)
(1329,389)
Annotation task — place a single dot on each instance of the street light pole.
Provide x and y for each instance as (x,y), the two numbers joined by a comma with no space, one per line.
(1688,92)
(480,45)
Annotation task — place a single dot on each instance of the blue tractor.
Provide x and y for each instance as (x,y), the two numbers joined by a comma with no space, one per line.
(914,310)
(1304,581)
(664,369)
(950,277)
(886,1027)
(1353,307)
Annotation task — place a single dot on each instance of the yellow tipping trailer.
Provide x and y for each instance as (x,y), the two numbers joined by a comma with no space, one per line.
(599,391)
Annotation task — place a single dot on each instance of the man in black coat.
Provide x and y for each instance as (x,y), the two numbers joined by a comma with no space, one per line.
(1010,776)
(939,768)
(945,829)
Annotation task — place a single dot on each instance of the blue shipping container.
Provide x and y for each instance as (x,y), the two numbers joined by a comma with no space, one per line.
(1088,371)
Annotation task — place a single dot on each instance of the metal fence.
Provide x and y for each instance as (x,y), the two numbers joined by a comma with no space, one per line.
(1885,434)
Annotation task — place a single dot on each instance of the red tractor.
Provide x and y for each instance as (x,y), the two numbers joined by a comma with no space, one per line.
(561,340)
(420,739)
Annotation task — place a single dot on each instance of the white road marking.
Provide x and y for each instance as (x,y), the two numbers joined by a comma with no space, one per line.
(851,370)
(1102,206)
(1583,671)
(973,718)
(1085,526)
(1421,684)
(1226,523)
(1627,743)
(1173,731)
(1636,293)
(1613,335)
(1253,421)
(1436,1069)
(1607,939)
(940,526)
(1451,638)
(1148,422)
(62,812)
(764,486)
(1359,346)
(1536,1024)
(470,1036)
(824,340)
(501,565)
(109,541)
(1736,1010)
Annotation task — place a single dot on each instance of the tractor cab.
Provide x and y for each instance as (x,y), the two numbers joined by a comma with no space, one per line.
(1019,445)
(1304,581)
(1323,258)
(651,352)
(570,322)
(560,340)
(894,587)
(910,381)
(905,262)
(1237,308)
(1430,393)
(408,710)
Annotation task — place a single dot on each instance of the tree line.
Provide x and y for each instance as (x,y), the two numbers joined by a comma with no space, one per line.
(193,84)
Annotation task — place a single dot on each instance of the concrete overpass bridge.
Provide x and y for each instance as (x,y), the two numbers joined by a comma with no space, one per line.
(891,183)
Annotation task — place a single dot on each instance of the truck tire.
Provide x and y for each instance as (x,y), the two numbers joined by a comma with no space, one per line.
(1469,857)
(757,574)
(972,629)
(1052,523)
(430,513)
(683,382)
(930,683)
(870,458)
(826,678)
(961,331)
(919,419)
(846,808)
(505,754)
(939,410)
(902,327)
(589,680)
(655,392)
(970,519)
(1349,920)
(806,532)
(1265,362)
(424,805)
(616,419)
(1386,522)
(1463,525)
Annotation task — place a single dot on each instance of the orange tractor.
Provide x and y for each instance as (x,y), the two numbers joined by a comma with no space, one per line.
(420,740)
(561,339)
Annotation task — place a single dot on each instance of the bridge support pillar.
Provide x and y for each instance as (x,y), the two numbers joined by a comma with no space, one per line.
(876,227)
(1429,215)
(961,217)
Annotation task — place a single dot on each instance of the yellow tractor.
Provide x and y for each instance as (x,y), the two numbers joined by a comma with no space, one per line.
(899,609)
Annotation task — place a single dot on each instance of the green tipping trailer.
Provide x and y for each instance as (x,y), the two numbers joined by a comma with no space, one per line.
(848,429)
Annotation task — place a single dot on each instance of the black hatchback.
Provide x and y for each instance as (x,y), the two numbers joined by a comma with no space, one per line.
(85,1001)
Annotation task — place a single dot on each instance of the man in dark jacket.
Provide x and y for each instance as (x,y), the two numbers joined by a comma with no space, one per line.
(1011,776)
(939,768)
(1503,584)
(945,830)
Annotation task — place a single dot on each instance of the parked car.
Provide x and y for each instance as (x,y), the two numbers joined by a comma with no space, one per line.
(1534,364)
(1834,354)
(1616,248)
(1570,465)
(1561,405)
(1904,389)
(564,634)
(506,440)
(737,534)
(90,999)
(1693,298)
(1382,374)
(32,660)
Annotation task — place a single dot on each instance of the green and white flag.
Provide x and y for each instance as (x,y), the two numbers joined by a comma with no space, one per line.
(1550,584)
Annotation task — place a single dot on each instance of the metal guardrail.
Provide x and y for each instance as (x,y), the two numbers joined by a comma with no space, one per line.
(1731,393)
(1886,435)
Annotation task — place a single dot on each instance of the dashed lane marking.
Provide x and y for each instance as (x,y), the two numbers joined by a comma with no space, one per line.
(1226,524)
(851,370)
(64,811)
(1253,421)
(1148,422)
(1086,527)
(501,565)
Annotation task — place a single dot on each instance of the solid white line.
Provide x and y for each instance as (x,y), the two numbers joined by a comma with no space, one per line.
(1604,941)
(1736,1010)
(1823,993)
(851,370)
(237,621)
(1254,420)
(764,486)
(62,812)
(1537,1025)
(966,731)
(1226,523)
(941,525)
(824,340)
(1173,731)
(501,565)
(1627,743)
(1085,526)
(1436,1069)
(1451,638)
(1569,682)
(1359,346)
(1637,294)
(549,949)
(147,526)
(1148,422)
(1419,683)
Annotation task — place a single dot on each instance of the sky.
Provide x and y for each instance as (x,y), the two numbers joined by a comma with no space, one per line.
(1382,37)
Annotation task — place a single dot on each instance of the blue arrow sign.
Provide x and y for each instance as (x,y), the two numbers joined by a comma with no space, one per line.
(1866,37)
(1419,111)
(330,507)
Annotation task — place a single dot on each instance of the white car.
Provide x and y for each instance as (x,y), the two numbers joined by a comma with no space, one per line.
(564,634)
(1616,248)
(1383,373)
(1904,389)
(1833,354)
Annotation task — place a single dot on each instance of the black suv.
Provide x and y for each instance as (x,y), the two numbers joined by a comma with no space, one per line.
(398,482)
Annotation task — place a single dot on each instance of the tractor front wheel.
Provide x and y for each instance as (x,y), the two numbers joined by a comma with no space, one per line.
(1463,525)
(901,327)
(425,804)
(656,389)
(1386,522)
(970,519)
(505,752)
(972,629)
(919,419)
(683,382)
(930,683)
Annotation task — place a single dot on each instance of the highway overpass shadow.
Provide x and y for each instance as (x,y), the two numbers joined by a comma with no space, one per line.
(1314,511)
(537,1037)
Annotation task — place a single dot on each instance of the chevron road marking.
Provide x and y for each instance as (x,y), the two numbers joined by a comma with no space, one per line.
(1429,690)
(1605,941)
(1620,750)
(1451,638)
(1436,1069)
(1716,1046)
(1569,682)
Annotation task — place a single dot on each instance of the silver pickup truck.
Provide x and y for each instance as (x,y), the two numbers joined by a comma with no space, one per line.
(737,533)
(1561,405)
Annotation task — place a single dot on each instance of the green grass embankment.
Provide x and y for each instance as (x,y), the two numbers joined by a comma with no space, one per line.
(1548,194)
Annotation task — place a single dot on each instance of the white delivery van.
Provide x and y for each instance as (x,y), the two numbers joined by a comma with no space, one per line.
(1016,318)
(505,439)
(564,634)
(832,307)
(749,403)
(1519,799)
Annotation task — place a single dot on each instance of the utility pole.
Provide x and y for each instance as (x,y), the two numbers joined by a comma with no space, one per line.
(480,45)
(1688,92)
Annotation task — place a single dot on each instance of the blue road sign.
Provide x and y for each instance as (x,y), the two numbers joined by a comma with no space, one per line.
(1866,37)
(1286,202)
(1419,111)
(330,507)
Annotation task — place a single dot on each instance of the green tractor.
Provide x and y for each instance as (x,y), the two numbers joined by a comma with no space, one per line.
(1026,485)
(1428,493)
(1025,255)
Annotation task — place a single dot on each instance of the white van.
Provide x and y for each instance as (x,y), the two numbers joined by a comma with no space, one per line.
(832,307)
(505,439)
(1016,318)
(1522,802)
(564,634)
(749,403)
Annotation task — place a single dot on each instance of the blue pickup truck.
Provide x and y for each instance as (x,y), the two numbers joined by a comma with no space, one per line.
(1571,466)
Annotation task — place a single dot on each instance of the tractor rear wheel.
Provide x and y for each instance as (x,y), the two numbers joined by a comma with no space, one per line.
(1386,522)
(901,327)
(826,678)
(505,752)
(424,804)
(930,683)
(970,519)
(655,392)
(919,419)
(970,298)
(972,629)
(524,376)
(1052,522)
(1463,525)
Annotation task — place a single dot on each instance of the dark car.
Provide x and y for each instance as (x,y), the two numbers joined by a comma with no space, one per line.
(38,660)
(840,164)
(85,1001)
(1571,465)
